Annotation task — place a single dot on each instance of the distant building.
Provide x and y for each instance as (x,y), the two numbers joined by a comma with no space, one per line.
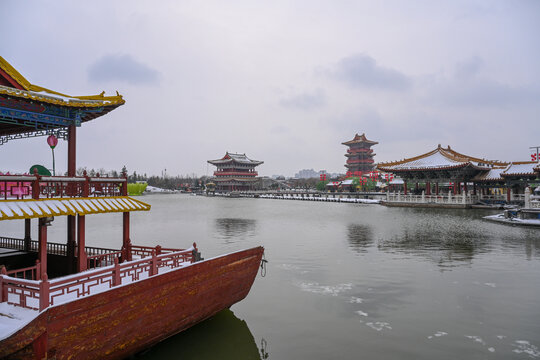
(235,172)
(359,154)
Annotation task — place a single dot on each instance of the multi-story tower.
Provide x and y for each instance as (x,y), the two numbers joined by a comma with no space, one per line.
(235,172)
(359,154)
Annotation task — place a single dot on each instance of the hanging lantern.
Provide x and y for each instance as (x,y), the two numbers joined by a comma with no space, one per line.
(52,141)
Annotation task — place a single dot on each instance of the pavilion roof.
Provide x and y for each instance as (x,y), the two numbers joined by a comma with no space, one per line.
(439,159)
(360,139)
(524,168)
(37,208)
(491,175)
(22,88)
(238,158)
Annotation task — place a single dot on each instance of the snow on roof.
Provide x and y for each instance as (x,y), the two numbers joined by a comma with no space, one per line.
(440,158)
(347,182)
(491,175)
(239,158)
(520,169)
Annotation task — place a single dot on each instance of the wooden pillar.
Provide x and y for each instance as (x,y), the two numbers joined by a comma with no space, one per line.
(27,235)
(416,187)
(437,188)
(428,188)
(404,188)
(474,189)
(508,194)
(81,244)
(126,241)
(72,168)
(42,247)
(465,186)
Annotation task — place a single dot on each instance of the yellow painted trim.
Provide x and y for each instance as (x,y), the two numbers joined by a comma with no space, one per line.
(49,208)
(11,71)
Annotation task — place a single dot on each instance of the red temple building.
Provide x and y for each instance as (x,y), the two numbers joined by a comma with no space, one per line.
(235,172)
(360,155)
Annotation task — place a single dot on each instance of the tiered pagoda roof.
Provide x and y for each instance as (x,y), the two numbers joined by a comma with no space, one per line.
(440,159)
(238,158)
(358,139)
(28,108)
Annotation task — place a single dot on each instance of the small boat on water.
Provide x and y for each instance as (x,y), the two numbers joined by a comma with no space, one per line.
(520,217)
(73,301)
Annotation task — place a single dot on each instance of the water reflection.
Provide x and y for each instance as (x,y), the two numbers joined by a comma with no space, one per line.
(360,237)
(223,336)
(446,240)
(232,228)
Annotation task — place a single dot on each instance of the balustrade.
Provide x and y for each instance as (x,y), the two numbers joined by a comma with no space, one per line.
(36,186)
(38,295)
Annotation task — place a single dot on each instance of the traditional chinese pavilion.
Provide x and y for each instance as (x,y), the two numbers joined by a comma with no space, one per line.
(66,300)
(360,155)
(445,166)
(28,110)
(235,172)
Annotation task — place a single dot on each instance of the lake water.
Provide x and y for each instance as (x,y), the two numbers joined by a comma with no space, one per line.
(350,281)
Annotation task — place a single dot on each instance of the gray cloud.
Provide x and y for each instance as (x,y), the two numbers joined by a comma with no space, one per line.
(124,68)
(362,70)
(466,88)
(468,68)
(305,101)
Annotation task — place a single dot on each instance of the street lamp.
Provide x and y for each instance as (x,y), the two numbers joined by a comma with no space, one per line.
(52,141)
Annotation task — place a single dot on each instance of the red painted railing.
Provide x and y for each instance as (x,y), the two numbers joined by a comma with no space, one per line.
(31,272)
(38,295)
(102,260)
(36,186)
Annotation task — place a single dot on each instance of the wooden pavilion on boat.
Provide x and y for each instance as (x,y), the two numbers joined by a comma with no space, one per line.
(466,179)
(28,110)
(68,300)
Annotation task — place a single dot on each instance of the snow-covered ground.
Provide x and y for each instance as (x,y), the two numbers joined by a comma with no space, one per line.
(154,190)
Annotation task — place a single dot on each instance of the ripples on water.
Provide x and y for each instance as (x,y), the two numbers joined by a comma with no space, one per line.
(350,281)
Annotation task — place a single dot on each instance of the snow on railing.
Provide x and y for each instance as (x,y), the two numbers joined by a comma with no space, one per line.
(39,295)
(437,199)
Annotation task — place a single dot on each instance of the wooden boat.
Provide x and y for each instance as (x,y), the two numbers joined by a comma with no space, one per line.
(71,301)
(517,217)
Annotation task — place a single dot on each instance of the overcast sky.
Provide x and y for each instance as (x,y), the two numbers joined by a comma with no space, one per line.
(285,82)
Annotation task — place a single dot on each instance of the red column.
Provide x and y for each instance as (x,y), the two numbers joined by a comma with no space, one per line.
(42,247)
(428,188)
(126,241)
(81,245)
(27,236)
(437,188)
(405,188)
(508,194)
(72,167)
(465,186)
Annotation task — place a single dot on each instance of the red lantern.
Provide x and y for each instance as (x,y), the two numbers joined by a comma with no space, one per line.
(52,141)
(533,157)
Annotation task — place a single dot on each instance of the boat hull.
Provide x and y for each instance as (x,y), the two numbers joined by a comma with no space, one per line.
(501,219)
(124,320)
